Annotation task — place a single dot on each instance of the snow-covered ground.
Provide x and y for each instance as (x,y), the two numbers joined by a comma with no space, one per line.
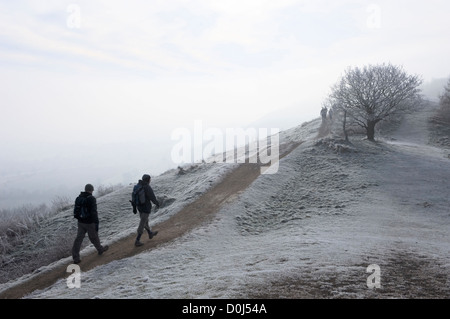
(309,231)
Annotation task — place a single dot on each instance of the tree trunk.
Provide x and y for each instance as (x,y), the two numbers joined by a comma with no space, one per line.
(371,130)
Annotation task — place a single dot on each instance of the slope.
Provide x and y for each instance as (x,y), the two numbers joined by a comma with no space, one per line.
(235,179)
(309,231)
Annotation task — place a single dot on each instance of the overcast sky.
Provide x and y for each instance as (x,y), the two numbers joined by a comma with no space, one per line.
(94,73)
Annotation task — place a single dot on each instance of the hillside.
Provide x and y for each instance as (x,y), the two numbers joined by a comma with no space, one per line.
(309,231)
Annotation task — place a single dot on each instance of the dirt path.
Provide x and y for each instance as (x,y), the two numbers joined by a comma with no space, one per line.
(191,216)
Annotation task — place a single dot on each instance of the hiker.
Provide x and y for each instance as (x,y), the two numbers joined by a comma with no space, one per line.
(330,114)
(144,208)
(323,113)
(87,223)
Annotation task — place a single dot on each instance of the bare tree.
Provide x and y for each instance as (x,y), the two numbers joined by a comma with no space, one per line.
(374,93)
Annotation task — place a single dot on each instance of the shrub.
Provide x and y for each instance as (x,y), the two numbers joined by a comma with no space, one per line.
(444,103)
(104,190)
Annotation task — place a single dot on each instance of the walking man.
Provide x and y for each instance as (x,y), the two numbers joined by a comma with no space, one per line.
(323,113)
(86,212)
(141,199)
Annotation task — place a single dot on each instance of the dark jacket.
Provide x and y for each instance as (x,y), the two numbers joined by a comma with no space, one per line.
(149,198)
(92,209)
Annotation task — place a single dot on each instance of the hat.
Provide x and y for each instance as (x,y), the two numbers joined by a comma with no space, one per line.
(146,178)
(88,188)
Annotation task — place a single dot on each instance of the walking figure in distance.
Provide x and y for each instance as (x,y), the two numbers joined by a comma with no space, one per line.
(85,211)
(330,114)
(141,199)
(323,113)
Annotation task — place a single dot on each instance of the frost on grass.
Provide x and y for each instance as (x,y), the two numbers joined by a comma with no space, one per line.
(339,146)
(309,231)
(33,237)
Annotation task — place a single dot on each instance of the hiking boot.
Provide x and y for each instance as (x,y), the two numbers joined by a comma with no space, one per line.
(77,261)
(152,234)
(105,248)
(138,243)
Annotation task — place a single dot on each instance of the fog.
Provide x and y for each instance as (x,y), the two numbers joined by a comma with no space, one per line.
(91,92)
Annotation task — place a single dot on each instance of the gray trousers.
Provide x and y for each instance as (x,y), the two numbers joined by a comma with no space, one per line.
(93,237)
(143,224)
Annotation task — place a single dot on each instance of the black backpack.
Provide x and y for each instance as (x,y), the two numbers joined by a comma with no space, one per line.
(80,211)
(138,195)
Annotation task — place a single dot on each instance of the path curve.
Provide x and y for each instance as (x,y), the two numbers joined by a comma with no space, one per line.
(191,216)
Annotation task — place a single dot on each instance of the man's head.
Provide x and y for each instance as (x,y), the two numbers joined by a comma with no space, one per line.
(89,188)
(146,178)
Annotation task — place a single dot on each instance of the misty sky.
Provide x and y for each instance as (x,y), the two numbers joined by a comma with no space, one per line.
(83,82)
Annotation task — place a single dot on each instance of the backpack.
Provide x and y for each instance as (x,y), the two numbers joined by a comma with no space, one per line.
(138,195)
(80,211)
